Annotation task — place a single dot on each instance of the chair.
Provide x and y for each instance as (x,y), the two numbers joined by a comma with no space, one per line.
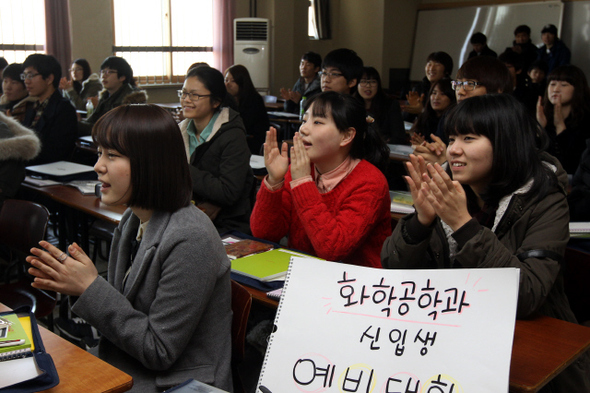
(22,226)
(241,301)
(576,275)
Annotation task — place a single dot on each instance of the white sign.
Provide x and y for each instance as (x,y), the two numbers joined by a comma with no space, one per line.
(345,328)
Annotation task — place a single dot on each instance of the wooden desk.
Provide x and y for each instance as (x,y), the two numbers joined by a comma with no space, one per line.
(78,370)
(75,205)
(542,347)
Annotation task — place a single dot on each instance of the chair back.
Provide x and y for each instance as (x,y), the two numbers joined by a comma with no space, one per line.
(577,289)
(22,225)
(241,301)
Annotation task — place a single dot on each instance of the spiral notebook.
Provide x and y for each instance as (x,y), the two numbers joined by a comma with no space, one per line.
(16,329)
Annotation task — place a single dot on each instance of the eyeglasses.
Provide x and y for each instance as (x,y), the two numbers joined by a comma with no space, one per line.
(325,74)
(108,72)
(368,82)
(28,76)
(467,85)
(191,96)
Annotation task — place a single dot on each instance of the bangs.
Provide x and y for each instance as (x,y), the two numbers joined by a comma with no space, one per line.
(321,108)
(562,75)
(107,134)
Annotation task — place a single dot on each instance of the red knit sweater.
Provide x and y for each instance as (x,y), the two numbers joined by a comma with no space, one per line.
(349,223)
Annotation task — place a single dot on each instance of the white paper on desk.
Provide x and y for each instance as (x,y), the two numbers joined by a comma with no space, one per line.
(18,370)
(256,162)
(336,330)
(579,227)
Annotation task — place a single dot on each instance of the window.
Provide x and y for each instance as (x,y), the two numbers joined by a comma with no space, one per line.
(22,29)
(161,38)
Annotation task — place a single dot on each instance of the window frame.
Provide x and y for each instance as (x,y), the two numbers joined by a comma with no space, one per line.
(158,80)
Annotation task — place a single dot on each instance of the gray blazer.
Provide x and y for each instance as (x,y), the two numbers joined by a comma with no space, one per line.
(171,321)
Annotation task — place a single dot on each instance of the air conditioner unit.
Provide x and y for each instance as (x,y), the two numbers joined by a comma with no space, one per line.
(252,49)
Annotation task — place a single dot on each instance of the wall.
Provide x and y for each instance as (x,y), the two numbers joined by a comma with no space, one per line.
(381,31)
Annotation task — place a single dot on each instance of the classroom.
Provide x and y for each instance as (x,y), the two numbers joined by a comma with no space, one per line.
(416,157)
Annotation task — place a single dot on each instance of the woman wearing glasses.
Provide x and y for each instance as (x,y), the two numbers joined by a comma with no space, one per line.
(216,147)
(477,76)
(83,85)
(250,105)
(385,111)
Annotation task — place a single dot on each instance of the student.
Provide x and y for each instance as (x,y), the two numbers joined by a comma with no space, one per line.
(307,85)
(479,42)
(535,80)
(514,63)
(438,65)
(522,45)
(385,111)
(216,147)
(18,145)
(51,116)
(341,71)
(441,99)
(553,52)
(165,311)
(83,85)
(502,205)
(3,64)
(15,97)
(118,83)
(331,201)
(565,113)
(478,76)
(250,105)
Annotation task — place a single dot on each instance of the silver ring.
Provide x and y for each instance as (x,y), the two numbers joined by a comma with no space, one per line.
(62,257)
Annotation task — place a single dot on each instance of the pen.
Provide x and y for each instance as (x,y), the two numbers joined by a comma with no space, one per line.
(264,389)
(11,343)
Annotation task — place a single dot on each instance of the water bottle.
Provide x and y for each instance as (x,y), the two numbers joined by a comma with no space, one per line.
(302,107)
(89,108)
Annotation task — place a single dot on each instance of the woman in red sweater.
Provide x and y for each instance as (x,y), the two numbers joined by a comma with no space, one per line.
(332,201)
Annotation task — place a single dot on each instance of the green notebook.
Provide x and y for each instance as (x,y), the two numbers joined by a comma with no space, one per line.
(16,331)
(266,266)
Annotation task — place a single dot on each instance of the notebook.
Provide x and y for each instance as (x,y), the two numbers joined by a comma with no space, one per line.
(15,331)
(401,202)
(266,266)
(246,247)
(63,171)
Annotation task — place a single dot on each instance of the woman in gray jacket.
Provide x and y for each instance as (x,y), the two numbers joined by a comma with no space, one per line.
(165,311)
(502,205)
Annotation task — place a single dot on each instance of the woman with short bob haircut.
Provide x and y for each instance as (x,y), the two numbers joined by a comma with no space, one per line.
(490,72)
(165,311)
(501,204)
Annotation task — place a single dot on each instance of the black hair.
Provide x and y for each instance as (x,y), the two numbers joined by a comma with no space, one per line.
(429,116)
(86,71)
(347,61)
(13,72)
(45,65)
(242,78)
(478,38)
(580,102)
(522,29)
(489,71)
(149,137)
(122,66)
(3,63)
(347,111)
(540,64)
(313,58)
(443,58)
(515,137)
(514,59)
(213,80)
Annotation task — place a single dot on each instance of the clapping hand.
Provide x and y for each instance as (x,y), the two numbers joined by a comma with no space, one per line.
(276,161)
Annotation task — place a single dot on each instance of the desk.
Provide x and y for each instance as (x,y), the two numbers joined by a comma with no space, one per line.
(75,205)
(78,370)
(542,347)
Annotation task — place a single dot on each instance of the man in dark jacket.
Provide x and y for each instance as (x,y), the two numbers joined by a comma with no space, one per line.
(480,46)
(523,46)
(553,52)
(51,116)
